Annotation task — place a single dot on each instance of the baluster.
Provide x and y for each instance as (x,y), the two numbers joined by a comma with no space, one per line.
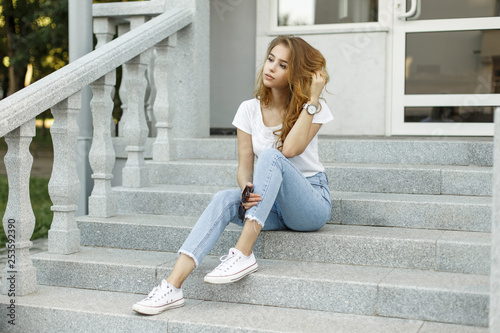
(123,29)
(64,185)
(19,275)
(102,154)
(163,147)
(135,172)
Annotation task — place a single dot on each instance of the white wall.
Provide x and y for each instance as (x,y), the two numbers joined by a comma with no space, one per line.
(232,58)
(356,62)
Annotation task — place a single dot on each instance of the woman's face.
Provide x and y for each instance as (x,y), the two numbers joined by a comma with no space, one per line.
(276,68)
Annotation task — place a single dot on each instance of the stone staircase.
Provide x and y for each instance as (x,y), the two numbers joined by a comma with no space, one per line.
(407,248)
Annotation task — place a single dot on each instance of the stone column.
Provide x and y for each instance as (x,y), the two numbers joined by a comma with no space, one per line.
(19,274)
(64,185)
(135,172)
(164,145)
(80,43)
(495,234)
(190,72)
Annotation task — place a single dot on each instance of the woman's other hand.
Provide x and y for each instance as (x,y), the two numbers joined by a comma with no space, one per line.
(317,84)
(253,200)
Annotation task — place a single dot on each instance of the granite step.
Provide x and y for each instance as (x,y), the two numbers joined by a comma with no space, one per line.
(377,150)
(82,311)
(467,213)
(374,178)
(440,250)
(388,292)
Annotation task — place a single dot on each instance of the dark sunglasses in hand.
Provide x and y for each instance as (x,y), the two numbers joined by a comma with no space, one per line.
(245,195)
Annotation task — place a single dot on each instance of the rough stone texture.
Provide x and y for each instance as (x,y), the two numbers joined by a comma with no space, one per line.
(312,286)
(163,233)
(164,145)
(102,155)
(270,319)
(135,173)
(189,71)
(443,297)
(64,185)
(168,200)
(384,179)
(494,322)
(19,274)
(102,269)
(382,150)
(456,251)
(464,252)
(415,211)
(53,308)
(356,246)
(429,327)
(220,148)
(195,172)
(481,153)
(476,181)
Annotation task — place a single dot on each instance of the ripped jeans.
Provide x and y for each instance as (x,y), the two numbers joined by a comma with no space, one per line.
(290,201)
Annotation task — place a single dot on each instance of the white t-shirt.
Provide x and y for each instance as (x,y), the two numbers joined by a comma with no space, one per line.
(249,119)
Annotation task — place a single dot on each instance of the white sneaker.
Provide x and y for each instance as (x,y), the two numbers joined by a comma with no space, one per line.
(235,266)
(163,297)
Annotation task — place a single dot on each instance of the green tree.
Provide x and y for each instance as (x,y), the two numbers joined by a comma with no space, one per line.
(34,34)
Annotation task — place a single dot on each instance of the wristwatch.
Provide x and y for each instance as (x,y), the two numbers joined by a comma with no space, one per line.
(311,108)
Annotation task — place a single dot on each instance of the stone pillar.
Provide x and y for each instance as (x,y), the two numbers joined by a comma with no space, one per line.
(164,145)
(19,220)
(80,43)
(135,172)
(495,234)
(190,73)
(64,186)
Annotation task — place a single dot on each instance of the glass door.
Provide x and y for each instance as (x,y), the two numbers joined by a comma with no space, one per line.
(446,67)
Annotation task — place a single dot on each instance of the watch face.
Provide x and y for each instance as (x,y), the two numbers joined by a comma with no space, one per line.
(311,109)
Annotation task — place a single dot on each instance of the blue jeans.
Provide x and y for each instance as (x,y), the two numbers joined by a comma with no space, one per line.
(290,201)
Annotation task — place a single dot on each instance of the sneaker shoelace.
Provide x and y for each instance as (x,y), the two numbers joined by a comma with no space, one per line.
(227,261)
(157,293)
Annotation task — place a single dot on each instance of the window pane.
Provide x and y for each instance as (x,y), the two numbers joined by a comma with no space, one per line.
(448,9)
(450,114)
(309,12)
(457,62)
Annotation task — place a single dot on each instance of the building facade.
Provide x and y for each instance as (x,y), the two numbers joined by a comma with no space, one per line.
(418,67)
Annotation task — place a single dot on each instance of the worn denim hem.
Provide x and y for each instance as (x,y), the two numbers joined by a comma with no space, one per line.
(253,218)
(190,255)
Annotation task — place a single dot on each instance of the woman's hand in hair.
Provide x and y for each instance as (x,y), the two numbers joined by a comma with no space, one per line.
(317,85)
(253,200)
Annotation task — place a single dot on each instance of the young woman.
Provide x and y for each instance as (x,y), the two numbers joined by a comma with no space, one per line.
(286,190)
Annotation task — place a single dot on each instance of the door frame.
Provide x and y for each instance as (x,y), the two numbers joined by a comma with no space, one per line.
(398,98)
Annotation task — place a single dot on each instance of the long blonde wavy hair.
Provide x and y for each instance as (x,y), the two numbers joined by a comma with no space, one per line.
(303,62)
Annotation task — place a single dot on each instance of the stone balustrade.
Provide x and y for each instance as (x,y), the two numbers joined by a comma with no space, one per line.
(61,92)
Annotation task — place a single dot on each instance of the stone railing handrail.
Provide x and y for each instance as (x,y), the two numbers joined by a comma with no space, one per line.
(61,92)
(26,104)
(127,9)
